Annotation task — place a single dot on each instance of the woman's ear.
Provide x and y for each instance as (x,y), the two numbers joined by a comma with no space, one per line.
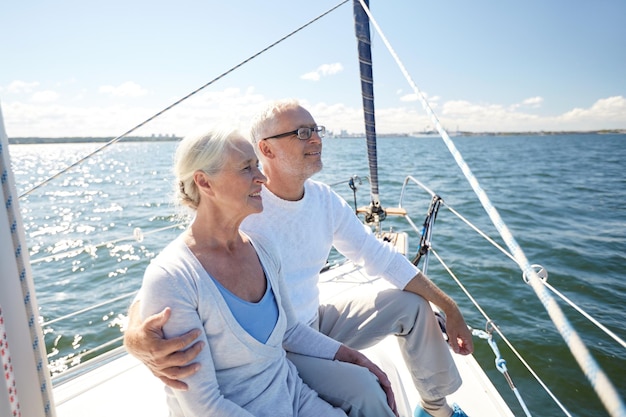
(202,181)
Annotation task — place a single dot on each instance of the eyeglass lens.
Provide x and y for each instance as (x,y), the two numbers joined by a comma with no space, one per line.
(305,133)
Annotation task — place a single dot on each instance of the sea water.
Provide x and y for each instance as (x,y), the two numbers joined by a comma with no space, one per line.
(92,231)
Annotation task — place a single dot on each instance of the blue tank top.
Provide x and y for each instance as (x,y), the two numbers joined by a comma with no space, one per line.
(258,319)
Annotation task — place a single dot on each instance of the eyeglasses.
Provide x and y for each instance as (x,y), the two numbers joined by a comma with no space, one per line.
(303,133)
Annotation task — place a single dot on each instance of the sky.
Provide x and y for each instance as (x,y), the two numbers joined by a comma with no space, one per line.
(77,68)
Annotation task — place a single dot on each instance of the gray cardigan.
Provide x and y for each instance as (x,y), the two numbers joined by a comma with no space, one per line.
(239,376)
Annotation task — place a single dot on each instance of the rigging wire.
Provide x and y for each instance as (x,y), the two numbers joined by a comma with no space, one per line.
(482,334)
(177,102)
(582,312)
(501,364)
(598,379)
(156,115)
(497,329)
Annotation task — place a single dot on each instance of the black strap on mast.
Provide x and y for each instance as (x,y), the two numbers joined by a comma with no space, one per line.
(375,213)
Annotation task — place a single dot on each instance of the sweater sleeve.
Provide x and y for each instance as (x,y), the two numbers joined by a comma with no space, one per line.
(174,287)
(356,241)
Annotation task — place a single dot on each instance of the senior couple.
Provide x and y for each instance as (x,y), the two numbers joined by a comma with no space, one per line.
(228,316)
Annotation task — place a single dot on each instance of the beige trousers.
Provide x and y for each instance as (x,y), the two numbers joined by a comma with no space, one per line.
(362,318)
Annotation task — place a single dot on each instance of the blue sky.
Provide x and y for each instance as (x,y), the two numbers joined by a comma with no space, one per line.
(73,68)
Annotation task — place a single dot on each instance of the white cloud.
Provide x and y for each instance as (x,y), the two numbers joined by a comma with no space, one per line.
(605,113)
(407,98)
(483,117)
(46,96)
(69,116)
(323,71)
(17,87)
(127,89)
(533,101)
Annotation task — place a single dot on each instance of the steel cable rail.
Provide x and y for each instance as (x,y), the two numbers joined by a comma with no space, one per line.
(467,293)
(138,236)
(573,305)
(66,360)
(599,381)
(92,307)
(497,329)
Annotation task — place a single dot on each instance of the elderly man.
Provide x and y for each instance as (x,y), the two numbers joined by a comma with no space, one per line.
(304,219)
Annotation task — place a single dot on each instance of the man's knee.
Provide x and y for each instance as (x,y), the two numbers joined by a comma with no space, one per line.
(402,308)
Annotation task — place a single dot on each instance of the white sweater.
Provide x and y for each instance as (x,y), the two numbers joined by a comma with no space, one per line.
(239,375)
(304,232)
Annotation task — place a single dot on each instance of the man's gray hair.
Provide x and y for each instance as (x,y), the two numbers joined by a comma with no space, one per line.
(264,123)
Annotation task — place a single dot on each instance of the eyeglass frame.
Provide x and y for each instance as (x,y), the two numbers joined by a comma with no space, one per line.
(320,130)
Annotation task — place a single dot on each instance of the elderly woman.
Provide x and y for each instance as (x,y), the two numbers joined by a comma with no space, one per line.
(216,278)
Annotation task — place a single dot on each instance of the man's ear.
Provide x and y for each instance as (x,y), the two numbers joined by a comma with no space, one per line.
(266,149)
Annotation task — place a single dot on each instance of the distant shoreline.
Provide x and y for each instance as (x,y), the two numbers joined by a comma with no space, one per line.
(417,135)
(431,134)
(35,141)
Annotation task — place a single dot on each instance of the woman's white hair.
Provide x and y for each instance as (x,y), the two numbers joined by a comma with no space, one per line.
(204,151)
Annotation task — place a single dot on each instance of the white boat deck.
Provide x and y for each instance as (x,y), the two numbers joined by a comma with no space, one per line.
(124,387)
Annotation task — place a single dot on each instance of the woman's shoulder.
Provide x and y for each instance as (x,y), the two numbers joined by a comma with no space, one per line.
(173,259)
(172,251)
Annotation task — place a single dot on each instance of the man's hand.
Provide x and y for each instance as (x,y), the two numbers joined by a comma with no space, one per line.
(459,336)
(168,359)
(346,354)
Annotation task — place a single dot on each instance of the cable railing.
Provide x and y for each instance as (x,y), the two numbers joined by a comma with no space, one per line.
(138,236)
(73,359)
(487,335)
(543,273)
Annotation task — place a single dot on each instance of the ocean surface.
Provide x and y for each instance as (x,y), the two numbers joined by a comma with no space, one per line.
(92,231)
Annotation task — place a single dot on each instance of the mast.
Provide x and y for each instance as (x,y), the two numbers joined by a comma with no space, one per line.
(362,30)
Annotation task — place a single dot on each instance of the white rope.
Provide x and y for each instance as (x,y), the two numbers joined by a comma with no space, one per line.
(10,204)
(7,367)
(598,379)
